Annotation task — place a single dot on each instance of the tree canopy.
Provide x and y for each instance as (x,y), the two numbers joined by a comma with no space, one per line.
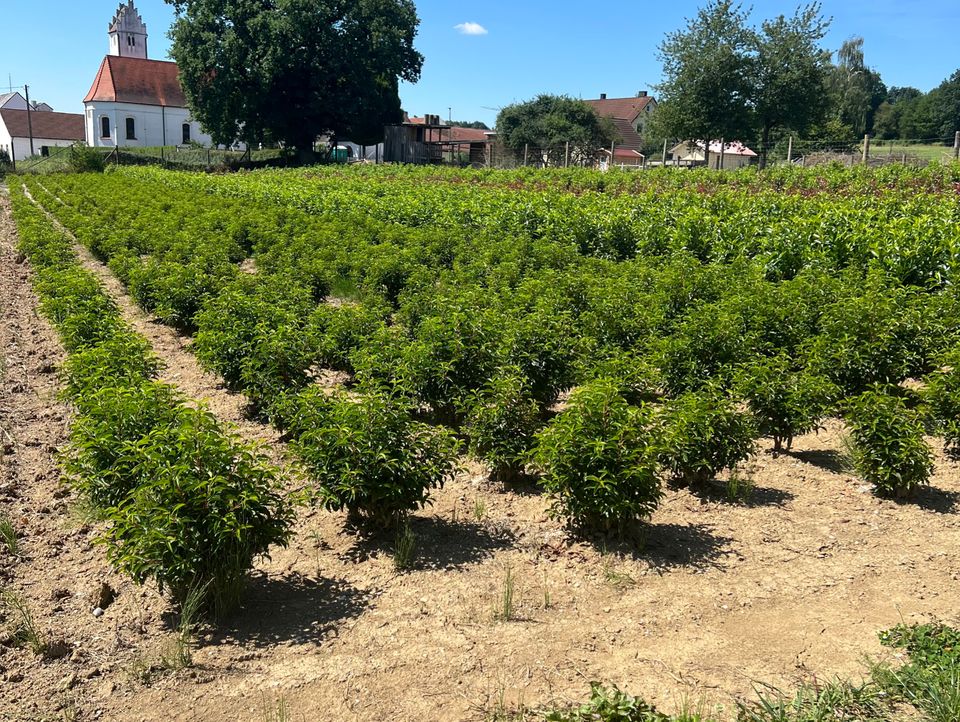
(546,123)
(290,70)
(726,79)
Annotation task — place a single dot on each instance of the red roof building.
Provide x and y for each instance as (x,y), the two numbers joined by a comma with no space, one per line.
(133,80)
(629,115)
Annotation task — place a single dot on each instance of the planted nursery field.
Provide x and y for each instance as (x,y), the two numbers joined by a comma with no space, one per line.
(395,443)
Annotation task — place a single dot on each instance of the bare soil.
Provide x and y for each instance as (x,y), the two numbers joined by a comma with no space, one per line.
(792,584)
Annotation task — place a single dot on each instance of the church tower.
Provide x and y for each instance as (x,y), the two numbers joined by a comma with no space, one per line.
(128,34)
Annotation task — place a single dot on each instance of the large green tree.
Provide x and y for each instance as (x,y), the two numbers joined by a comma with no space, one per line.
(707,86)
(856,90)
(790,72)
(547,123)
(290,70)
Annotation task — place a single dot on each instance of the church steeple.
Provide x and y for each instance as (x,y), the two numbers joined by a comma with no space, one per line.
(128,34)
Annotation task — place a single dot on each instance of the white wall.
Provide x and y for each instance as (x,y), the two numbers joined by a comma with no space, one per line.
(21,146)
(149,124)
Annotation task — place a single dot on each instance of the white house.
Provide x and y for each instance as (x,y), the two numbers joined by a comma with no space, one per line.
(47,128)
(733,154)
(135,101)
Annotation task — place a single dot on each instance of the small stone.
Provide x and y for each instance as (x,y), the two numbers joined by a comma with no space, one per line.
(14,677)
(97,612)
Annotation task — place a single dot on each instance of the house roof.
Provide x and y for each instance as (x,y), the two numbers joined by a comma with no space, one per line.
(629,138)
(628,108)
(474,135)
(55,126)
(135,80)
(14,100)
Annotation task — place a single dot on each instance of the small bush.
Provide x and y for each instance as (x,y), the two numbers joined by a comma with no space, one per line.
(205,507)
(888,447)
(703,433)
(501,423)
(785,402)
(943,401)
(84,159)
(599,459)
(366,455)
(126,359)
(608,705)
(104,459)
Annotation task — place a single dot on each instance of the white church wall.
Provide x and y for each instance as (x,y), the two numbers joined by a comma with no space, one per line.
(153,125)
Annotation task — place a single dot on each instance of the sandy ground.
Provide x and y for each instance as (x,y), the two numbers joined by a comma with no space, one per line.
(790,585)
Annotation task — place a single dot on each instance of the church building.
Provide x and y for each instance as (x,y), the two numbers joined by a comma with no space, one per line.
(135,101)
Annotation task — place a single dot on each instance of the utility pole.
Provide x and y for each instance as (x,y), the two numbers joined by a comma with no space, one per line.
(26,90)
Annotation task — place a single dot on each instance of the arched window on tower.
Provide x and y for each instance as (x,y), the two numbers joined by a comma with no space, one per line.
(104,127)
(186,133)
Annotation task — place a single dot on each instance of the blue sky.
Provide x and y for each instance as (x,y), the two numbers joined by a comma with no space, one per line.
(526,47)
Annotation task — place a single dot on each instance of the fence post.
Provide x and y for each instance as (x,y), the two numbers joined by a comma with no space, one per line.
(722,149)
(866,149)
(208,157)
(790,150)
(956,145)
(526,150)
(613,149)
(663,158)
(566,154)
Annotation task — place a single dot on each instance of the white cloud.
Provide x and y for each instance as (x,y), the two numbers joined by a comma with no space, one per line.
(470,29)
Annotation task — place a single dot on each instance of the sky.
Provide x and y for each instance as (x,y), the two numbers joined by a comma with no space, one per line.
(482,56)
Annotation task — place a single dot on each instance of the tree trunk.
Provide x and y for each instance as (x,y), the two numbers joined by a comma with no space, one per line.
(764,145)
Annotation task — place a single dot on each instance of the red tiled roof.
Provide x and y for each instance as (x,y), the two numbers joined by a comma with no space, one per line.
(46,124)
(135,80)
(627,108)
(467,134)
(629,138)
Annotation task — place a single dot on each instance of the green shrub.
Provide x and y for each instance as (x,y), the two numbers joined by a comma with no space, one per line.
(501,423)
(366,455)
(126,359)
(785,402)
(599,459)
(942,395)
(84,159)
(74,302)
(703,433)
(204,508)
(105,456)
(888,447)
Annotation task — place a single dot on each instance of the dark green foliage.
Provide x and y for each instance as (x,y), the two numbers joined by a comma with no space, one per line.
(366,455)
(74,302)
(599,460)
(105,456)
(546,123)
(785,402)
(339,69)
(84,159)
(205,506)
(501,423)
(703,433)
(608,705)
(124,360)
(942,395)
(870,336)
(888,446)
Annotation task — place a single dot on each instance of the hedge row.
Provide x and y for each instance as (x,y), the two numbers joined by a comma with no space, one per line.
(188,504)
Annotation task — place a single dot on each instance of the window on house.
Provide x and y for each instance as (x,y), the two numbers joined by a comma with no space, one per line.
(186,133)
(104,127)
(131,129)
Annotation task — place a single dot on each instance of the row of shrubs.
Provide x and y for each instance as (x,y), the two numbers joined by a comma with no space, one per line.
(187,504)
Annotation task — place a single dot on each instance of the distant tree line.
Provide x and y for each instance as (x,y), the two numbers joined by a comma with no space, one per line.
(725,78)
